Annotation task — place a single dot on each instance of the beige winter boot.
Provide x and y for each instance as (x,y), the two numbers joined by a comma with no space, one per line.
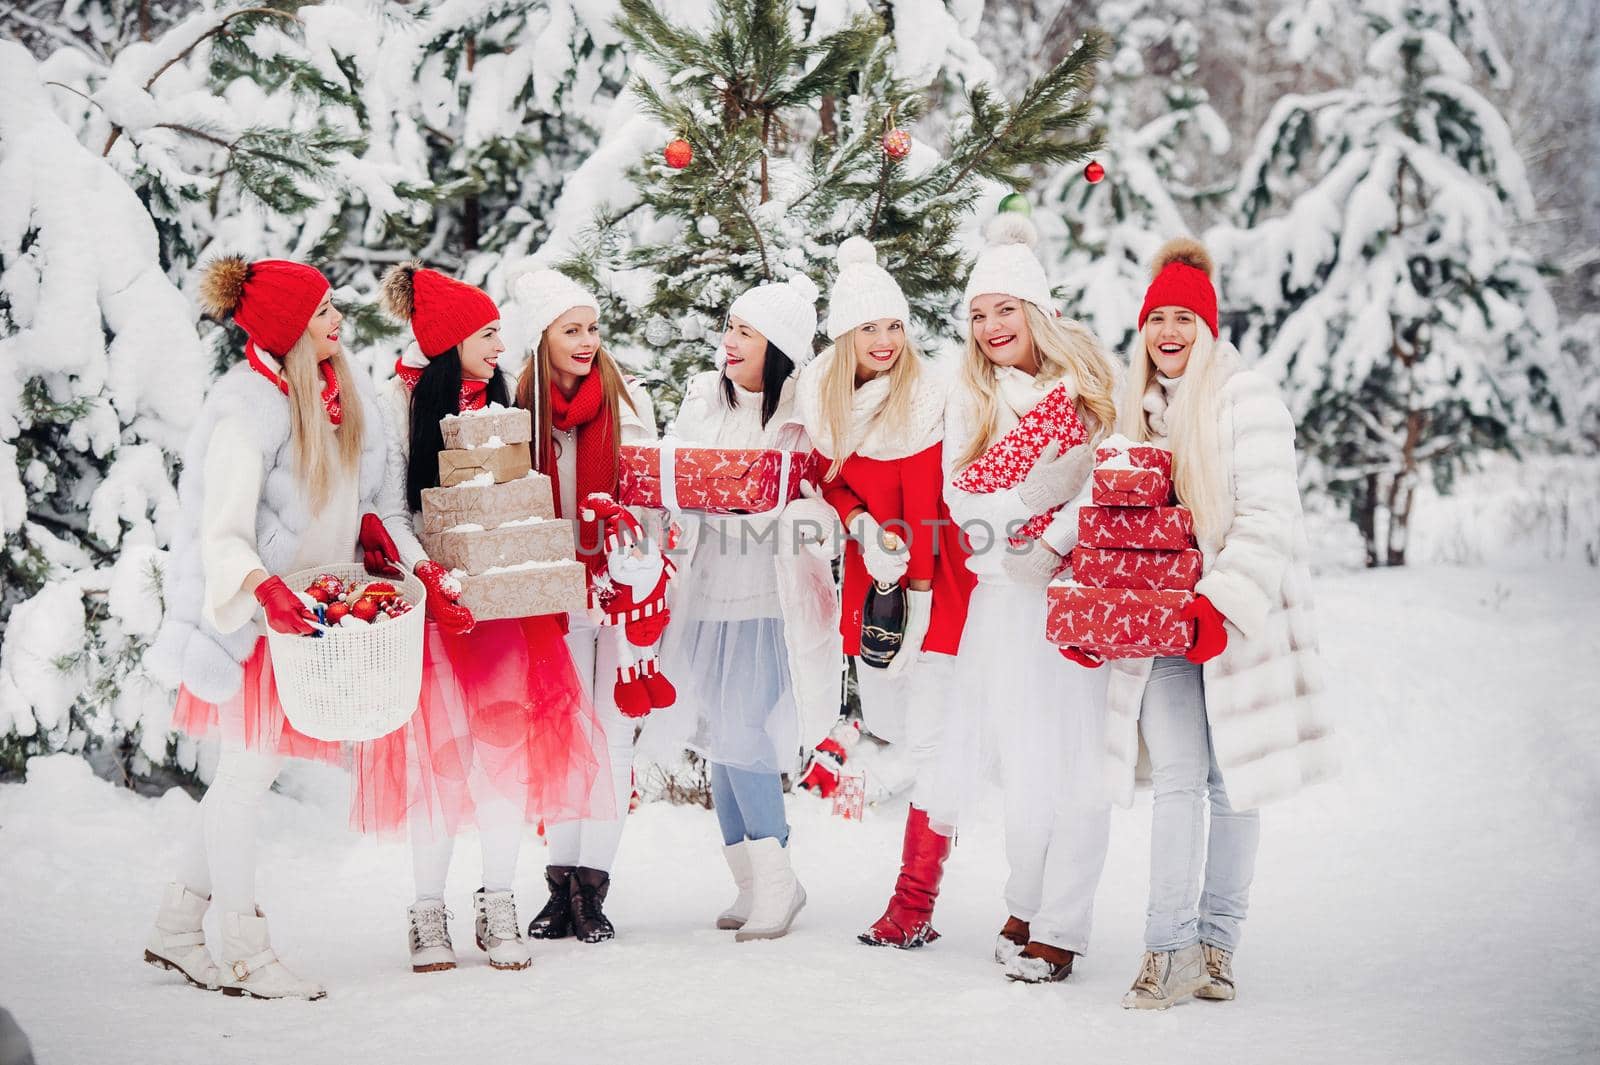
(251,967)
(178,942)
(1219,970)
(498,930)
(738,855)
(1165,977)
(776,894)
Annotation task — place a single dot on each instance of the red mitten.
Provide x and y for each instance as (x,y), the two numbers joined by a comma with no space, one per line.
(378,552)
(285,612)
(1087,659)
(1210,635)
(444,605)
(642,632)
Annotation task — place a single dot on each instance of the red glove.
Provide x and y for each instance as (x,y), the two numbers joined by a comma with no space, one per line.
(1086,659)
(285,612)
(378,552)
(1210,636)
(444,604)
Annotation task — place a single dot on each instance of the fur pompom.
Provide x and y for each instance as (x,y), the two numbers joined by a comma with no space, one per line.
(398,290)
(857,251)
(1184,250)
(805,286)
(1010,228)
(222,285)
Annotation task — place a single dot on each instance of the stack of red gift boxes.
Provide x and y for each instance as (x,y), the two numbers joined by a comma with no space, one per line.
(1136,565)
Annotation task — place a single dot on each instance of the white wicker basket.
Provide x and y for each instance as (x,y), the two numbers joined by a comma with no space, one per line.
(351,683)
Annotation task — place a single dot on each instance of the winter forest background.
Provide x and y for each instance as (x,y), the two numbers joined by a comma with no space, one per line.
(1400,193)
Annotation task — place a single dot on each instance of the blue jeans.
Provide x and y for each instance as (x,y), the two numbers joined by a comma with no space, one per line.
(1185,774)
(749,805)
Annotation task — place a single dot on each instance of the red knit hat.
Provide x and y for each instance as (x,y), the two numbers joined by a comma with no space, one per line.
(442,311)
(1182,272)
(272,299)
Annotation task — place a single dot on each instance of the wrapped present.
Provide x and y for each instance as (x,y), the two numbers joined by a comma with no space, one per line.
(1132,486)
(500,464)
(525,590)
(850,799)
(488,505)
(1119,622)
(1162,528)
(474,549)
(1007,461)
(711,479)
(1120,452)
(1119,567)
(489,427)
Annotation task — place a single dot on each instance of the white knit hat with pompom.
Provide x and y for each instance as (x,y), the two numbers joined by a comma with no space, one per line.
(545,295)
(1007,265)
(863,291)
(785,312)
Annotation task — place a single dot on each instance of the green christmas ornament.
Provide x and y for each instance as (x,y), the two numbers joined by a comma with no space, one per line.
(1016,203)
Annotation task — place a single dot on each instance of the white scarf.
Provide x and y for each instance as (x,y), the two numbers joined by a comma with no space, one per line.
(870,436)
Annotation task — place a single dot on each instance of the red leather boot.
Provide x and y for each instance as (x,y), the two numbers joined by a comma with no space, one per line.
(907,921)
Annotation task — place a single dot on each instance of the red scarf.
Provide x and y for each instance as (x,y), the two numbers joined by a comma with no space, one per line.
(330,381)
(474,394)
(597,450)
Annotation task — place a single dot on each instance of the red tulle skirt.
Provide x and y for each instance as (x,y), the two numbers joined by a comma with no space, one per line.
(254,716)
(502,719)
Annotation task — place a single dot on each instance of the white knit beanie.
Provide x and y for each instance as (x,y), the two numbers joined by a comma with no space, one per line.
(545,295)
(863,291)
(785,312)
(1007,265)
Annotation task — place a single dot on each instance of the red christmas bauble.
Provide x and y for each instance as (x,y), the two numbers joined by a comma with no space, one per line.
(336,612)
(1094,173)
(364,608)
(679,153)
(897,144)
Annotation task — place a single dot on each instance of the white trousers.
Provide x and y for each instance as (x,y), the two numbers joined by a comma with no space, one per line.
(909,712)
(500,828)
(219,858)
(591,842)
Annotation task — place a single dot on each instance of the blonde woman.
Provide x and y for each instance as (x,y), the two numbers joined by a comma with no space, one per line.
(1238,720)
(281,472)
(876,414)
(1039,715)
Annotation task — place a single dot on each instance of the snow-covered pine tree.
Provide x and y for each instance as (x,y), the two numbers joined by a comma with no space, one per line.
(778,179)
(100,374)
(1379,276)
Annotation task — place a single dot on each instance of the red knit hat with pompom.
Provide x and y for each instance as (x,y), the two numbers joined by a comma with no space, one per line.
(1182,278)
(271,299)
(442,311)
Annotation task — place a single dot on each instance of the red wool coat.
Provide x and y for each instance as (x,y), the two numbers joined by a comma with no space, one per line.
(899,493)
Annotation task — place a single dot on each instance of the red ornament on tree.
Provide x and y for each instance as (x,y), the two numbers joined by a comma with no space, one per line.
(679,153)
(1094,173)
(897,144)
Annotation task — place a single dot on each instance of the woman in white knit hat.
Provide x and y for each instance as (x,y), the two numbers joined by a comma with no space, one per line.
(753,646)
(583,410)
(1021,703)
(876,414)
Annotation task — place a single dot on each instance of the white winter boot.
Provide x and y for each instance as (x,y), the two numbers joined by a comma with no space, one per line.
(431,949)
(178,942)
(1166,977)
(776,896)
(499,933)
(1219,974)
(739,865)
(251,967)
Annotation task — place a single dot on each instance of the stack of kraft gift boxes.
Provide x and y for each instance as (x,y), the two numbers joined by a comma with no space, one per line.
(1136,564)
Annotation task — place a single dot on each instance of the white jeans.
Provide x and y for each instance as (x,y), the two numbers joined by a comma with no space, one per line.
(219,859)
(1184,773)
(909,712)
(591,842)
(500,828)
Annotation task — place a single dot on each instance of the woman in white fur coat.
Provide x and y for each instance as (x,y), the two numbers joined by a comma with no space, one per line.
(1236,721)
(281,472)
(753,646)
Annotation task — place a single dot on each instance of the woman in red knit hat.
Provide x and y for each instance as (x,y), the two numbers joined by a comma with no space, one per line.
(281,472)
(503,734)
(1237,721)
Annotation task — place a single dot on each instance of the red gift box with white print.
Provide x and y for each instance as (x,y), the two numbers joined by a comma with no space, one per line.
(1007,461)
(712,479)
(1118,452)
(1157,528)
(1131,486)
(1116,567)
(1119,622)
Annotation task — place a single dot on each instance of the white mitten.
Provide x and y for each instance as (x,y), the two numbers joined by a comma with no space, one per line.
(1032,566)
(884,553)
(1055,477)
(919,613)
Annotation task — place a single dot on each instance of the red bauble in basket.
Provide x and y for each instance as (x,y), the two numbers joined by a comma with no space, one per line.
(679,153)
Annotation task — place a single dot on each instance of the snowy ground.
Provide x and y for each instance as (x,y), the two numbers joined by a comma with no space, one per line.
(1437,903)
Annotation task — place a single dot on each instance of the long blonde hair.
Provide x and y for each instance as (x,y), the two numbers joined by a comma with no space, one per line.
(839,389)
(317,445)
(1191,420)
(533,394)
(1063,345)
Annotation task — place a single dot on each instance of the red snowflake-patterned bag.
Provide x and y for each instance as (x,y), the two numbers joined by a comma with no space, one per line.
(1008,460)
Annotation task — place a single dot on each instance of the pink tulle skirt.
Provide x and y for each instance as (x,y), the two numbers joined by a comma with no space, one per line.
(254,716)
(502,719)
